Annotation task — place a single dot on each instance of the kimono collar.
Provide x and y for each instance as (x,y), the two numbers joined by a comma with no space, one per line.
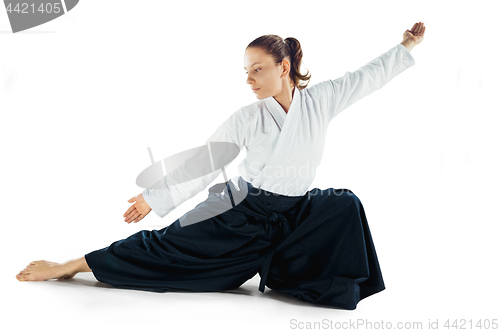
(277,110)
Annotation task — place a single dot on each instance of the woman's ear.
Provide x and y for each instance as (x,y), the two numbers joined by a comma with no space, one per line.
(285,68)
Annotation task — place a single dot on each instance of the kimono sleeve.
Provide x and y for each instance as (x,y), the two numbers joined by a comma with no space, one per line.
(168,193)
(354,86)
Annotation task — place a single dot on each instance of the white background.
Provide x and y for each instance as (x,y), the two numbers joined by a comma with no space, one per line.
(83,96)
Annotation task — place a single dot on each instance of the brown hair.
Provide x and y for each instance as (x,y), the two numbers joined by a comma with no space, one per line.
(280,49)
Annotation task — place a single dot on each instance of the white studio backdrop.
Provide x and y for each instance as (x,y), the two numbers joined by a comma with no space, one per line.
(83,96)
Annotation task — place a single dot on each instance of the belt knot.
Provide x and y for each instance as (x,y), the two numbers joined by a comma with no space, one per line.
(266,260)
(273,217)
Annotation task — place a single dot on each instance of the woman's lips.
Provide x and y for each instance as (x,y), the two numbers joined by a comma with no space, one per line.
(254,90)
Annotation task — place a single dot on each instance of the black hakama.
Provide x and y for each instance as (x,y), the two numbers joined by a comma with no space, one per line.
(316,247)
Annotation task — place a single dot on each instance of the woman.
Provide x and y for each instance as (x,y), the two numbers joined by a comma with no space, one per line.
(312,244)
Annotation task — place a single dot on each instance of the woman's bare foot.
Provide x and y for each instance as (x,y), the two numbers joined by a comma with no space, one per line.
(45,270)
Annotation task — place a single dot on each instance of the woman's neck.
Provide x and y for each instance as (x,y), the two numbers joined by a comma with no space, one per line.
(285,97)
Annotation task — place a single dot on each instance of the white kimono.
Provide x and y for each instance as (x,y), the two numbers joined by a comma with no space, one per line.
(284,149)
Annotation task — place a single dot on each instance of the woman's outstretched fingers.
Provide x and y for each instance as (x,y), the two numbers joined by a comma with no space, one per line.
(135,217)
(132,216)
(129,210)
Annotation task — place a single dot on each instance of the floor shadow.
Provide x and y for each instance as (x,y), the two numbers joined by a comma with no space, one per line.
(287,298)
(80,282)
(76,281)
(242,290)
(239,291)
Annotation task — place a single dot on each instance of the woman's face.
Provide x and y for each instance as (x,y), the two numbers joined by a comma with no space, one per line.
(262,73)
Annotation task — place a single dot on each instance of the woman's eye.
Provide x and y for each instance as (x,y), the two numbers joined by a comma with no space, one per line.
(255,70)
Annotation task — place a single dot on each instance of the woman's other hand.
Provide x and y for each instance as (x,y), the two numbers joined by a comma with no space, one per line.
(137,211)
(415,35)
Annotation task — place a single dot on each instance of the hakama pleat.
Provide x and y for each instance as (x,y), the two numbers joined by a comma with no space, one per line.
(316,247)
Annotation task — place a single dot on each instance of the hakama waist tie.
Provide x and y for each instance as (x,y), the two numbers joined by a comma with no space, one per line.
(264,205)
(257,199)
(284,227)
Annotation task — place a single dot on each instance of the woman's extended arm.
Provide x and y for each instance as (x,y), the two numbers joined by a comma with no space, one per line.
(353,86)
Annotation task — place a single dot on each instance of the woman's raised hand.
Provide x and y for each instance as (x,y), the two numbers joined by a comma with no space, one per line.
(137,211)
(416,34)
